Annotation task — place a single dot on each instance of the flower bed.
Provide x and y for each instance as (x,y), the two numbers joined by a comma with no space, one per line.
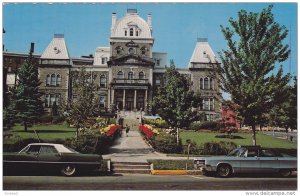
(148,130)
(110,130)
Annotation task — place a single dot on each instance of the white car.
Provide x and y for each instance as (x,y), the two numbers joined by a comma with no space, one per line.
(152,117)
(248,159)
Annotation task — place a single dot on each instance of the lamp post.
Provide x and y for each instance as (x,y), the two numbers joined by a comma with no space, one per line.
(188,141)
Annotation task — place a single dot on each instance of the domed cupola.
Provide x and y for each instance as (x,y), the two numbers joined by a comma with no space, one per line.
(131,26)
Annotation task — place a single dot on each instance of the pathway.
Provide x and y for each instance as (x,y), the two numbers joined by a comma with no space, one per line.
(133,148)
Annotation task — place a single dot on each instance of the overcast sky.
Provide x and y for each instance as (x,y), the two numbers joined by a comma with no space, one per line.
(176,26)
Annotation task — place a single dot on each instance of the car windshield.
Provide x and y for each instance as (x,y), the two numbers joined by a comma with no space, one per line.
(234,153)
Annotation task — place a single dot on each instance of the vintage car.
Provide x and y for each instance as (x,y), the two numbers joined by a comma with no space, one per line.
(50,157)
(248,159)
(151,117)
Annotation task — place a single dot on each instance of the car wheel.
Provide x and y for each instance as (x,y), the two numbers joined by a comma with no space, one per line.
(68,170)
(224,170)
(285,173)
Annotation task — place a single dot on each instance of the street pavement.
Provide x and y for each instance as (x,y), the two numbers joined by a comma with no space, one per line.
(148,182)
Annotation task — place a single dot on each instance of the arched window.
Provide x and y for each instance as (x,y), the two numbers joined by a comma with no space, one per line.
(102,81)
(130,75)
(58,80)
(120,75)
(205,83)
(141,75)
(53,80)
(131,32)
(201,83)
(48,80)
(211,81)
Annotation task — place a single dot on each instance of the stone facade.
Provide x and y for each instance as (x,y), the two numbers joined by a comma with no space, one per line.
(128,72)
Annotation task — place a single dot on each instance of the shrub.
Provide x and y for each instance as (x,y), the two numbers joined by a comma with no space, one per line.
(171,164)
(166,144)
(195,126)
(194,149)
(156,123)
(45,119)
(218,148)
(211,125)
(58,119)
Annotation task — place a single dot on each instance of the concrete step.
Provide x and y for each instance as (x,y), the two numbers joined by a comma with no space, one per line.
(132,150)
(131,167)
(132,171)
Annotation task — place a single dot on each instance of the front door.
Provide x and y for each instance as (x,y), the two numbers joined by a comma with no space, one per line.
(129,100)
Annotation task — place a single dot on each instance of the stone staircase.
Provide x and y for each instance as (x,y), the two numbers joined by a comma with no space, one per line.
(131,167)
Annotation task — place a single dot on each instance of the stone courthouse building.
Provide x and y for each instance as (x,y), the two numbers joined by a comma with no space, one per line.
(128,70)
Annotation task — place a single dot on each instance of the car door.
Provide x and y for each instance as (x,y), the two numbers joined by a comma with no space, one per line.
(250,161)
(268,161)
(49,157)
(28,160)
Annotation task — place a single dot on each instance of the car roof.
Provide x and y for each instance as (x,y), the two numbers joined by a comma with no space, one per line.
(59,147)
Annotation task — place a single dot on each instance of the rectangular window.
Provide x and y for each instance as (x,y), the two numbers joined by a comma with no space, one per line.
(137,33)
(158,62)
(47,101)
(103,60)
(125,32)
(102,101)
(205,104)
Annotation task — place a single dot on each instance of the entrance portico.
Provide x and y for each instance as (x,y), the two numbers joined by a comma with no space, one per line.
(132,99)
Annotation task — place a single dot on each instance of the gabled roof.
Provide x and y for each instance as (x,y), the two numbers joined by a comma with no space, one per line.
(202,53)
(57,49)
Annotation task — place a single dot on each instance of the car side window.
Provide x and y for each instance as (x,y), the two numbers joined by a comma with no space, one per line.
(252,153)
(48,150)
(33,149)
(267,153)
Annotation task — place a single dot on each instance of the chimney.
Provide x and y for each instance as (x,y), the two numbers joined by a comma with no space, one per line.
(113,21)
(150,21)
(32,48)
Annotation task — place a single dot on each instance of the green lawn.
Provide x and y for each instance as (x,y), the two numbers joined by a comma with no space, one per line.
(246,139)
(45,132)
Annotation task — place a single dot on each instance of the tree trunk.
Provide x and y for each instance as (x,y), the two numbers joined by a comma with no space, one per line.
(177,136)
(77,128)
(253,135)
(25,125)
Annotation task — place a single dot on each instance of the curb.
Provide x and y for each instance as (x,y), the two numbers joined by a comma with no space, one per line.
(176,172)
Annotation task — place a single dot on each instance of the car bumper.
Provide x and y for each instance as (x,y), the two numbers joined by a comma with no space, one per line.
(208,168)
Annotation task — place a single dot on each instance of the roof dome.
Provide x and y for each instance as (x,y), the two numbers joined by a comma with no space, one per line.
(132,26)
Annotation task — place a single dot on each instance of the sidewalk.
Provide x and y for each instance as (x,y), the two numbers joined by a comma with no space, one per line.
(133,148)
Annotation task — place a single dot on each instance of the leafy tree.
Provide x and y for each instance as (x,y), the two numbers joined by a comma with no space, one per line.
(292,108)
(254,46)
(174,102)
(82,107)
(28,105)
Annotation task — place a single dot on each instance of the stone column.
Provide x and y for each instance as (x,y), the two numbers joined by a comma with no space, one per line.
(146,101)
(124,96)
(134,101)
(108,100)
(112,96)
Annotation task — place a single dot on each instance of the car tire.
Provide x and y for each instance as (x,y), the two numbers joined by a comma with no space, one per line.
(224,171)
(68,170)
(285,173)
